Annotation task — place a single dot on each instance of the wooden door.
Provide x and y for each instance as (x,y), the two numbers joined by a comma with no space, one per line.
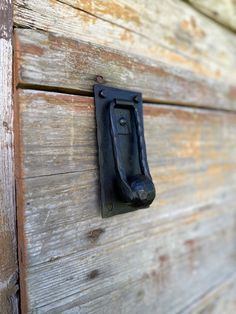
(178,256)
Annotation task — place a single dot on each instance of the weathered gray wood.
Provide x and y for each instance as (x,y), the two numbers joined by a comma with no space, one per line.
(74,260)
(171,32)
(223,11)
(219,300)
(151,261)
(159,260)
(8,247)
(192,157)
(58,133)
(56,62)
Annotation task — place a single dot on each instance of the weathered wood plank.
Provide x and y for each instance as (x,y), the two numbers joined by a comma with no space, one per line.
(128,25)
(8,247)
(148,30)
(58,133)
(56,62)
(219,300)
(63,214)
(74,260)
(115,301)
(223,11)
(151,261)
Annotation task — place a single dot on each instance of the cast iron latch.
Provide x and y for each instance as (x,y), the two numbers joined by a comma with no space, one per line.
(125,180)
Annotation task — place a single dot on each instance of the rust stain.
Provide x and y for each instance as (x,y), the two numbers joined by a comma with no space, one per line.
(95,234)
(17,59)
(93,274)
(190,243)
(192,251)
(32,49)
(159,277)
(232,92)
(163,259)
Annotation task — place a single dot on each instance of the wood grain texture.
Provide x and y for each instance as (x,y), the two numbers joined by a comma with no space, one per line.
(129,270)
(223,11)
(152,30)
(8,247)
(178,256)
(219,300)
(74,260)
(48,61)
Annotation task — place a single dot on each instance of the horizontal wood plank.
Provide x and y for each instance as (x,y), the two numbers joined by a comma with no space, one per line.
(151,34)
(76,261)
(151,260)
(223,11)
(48,61)
(221,299)
(59,135)
(137,296)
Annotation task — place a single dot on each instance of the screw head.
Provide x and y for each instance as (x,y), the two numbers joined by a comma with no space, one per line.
(109,206)
(102,94)
(122,121)
(136,99)
(99,79)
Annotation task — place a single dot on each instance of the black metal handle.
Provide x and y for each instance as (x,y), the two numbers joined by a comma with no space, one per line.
(139,189)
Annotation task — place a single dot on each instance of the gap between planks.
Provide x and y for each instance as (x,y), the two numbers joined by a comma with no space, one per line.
(213,16)
(228,280)
(148,101)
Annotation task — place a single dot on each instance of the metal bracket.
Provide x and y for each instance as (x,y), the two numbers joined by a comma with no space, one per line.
(125,180)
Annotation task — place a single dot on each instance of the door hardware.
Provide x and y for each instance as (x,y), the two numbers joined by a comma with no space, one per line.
(125,180)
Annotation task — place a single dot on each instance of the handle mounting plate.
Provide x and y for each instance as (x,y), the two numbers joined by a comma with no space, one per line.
(121,149)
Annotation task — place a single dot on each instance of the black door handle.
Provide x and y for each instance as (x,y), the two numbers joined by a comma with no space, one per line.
(125,180)
(138,189)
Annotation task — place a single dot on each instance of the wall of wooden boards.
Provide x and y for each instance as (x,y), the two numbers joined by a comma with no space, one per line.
(184,56)
(179,255)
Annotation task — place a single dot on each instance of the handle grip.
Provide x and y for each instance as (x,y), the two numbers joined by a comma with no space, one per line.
(139,189)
